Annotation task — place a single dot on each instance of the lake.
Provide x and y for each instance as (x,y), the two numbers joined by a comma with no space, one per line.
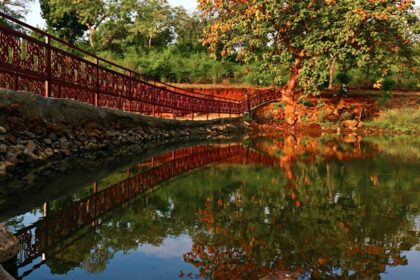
(285,207)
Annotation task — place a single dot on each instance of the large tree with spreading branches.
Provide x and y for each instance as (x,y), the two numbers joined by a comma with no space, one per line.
(309,36)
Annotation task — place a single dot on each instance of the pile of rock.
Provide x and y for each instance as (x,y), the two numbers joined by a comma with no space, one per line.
(32,131)
(348,116)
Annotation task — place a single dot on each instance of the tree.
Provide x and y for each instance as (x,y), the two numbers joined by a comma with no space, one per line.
(67,26)
(151,18)
(189,29)
(90,13)
(307,36)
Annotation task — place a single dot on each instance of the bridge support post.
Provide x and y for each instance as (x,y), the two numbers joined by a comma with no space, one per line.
(94,191)
(47,90)
(95,101)
(248,104)
(130,95)
(45,209)
(16,84)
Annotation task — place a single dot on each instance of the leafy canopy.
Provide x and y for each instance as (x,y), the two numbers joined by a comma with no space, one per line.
(307,35)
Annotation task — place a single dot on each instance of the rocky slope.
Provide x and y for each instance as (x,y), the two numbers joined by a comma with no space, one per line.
(34,130)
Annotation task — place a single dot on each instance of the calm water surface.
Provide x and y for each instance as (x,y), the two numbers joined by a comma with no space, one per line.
(267,208)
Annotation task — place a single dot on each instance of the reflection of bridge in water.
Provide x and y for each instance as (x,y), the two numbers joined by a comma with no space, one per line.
(40,237)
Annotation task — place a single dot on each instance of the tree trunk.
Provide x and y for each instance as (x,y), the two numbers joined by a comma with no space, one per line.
(332,73)
(91,32)
(290,87)
(150,42)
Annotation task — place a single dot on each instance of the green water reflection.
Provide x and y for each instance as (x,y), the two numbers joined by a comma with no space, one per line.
(323,208)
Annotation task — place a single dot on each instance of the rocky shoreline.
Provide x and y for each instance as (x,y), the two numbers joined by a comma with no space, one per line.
(34,130)
(9,246)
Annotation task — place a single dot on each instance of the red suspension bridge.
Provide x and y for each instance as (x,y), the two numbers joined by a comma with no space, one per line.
(55,68)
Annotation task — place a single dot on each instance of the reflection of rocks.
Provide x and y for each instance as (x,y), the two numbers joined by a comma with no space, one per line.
(290,115)
(352,124)
(4,275)
(297,148)
(9,245)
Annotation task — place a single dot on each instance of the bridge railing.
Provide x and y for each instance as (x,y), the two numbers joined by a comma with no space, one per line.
(55,68)
(46,68)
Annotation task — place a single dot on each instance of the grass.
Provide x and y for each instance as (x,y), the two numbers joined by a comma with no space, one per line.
(403,120)
(405,147)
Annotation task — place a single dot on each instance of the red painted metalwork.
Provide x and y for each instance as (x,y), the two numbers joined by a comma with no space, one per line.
(43,68)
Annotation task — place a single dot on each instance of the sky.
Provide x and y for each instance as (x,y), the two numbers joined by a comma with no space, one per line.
(34,15)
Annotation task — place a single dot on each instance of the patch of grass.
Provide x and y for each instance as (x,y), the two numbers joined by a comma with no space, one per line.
(247,117)
(320,104)
(278,105)
(384,98)
(403,120)
(304,119)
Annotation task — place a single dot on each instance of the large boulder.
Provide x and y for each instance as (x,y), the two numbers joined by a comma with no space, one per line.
(9,245)
(350,124)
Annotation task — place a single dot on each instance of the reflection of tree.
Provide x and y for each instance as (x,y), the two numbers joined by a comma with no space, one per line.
(258,221)
(343,226)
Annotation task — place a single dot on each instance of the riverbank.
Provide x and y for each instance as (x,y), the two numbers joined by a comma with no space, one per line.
(9,246)
(366,113)
(35,130)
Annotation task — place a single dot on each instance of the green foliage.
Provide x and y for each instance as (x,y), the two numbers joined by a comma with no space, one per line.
(320,104)
(343,78)
(305,102)
(247,116)
(307,35)
(278,105)
(403,120)
(304,118)
(257,44)
(388,84)
(66,26)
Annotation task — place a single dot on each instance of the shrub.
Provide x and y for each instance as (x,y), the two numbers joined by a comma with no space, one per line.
(247,116)
(343,77)
(388,84)
(278,105)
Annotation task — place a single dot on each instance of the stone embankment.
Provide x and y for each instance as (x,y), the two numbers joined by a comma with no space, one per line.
(9,246)
(34,130)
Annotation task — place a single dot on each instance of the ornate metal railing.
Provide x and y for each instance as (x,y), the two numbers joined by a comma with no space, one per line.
(47,69)
(40,237)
